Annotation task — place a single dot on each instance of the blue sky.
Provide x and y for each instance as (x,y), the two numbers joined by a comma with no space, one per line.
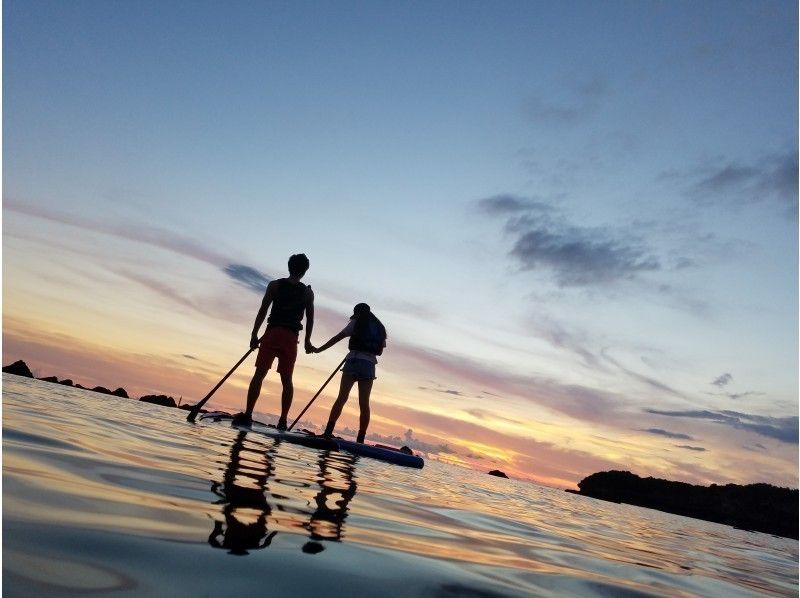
(580,217)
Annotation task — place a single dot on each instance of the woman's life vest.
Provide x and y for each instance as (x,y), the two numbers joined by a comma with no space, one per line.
(369,335)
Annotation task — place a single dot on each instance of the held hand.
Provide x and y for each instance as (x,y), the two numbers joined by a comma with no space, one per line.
(310,347)
(254,342)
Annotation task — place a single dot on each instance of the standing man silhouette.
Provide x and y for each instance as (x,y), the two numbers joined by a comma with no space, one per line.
(290,300)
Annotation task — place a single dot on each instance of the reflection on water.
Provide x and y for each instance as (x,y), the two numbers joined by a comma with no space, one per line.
(245,494)
(104,495)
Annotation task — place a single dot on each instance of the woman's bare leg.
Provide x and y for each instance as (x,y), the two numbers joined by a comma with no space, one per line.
(344,392)
(364,390)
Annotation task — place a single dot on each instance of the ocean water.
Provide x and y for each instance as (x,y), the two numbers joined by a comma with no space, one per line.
(109,496)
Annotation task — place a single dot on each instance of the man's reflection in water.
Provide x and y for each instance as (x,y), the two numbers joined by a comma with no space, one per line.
(244,489)
(242,492)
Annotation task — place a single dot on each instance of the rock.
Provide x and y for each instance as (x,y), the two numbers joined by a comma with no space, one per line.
(498,473)
(49,379)
(101,389)
(83,387)
(18,368)
(758,507)
(162,400)
(67,383)
(120,392)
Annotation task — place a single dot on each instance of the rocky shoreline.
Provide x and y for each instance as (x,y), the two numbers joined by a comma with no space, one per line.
(754,507)
(20,368)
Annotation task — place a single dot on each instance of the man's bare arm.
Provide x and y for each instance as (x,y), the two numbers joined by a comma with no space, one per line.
(262,313)
(309,319)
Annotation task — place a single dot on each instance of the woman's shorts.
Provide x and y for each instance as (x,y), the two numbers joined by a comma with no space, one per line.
(360,369)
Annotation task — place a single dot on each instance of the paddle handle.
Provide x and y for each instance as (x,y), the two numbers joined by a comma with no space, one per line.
(314,398)
(196,409)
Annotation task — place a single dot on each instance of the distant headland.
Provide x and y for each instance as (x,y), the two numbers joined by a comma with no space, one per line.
(754,507)
(20,368)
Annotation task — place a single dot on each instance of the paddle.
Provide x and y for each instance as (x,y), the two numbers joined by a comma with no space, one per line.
(314,398)
(196,409)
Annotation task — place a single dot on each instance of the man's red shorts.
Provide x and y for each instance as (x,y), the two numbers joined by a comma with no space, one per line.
(281,343)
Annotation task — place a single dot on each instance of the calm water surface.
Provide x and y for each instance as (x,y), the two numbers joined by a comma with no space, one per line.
(113,496)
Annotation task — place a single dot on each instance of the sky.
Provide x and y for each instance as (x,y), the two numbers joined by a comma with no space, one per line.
(577,220)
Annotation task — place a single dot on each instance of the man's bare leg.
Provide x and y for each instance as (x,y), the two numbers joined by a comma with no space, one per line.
(286,399)
(254,390)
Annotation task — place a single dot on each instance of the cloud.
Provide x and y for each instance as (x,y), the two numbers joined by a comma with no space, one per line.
(448,391)
(580,402)
(501,205)
(576,256)
(574,103)
(784,429)
(145,234)
(690,448)
(248,277)
(722,380)
(770,178)
(408,440)
(674,435)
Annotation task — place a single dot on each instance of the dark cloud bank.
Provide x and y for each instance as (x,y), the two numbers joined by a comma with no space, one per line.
(667,434)
(771,178)
(248,277)
(784,429)
(576,256)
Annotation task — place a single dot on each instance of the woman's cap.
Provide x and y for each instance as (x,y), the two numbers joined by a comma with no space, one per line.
(361,308)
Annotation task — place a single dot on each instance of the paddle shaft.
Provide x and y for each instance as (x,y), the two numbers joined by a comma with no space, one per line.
(314,398)
(196,409)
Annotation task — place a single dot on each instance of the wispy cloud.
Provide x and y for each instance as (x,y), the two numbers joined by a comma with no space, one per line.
(580,402)
(574,103)
(699,449)
(668,434)
(447,391)
(145,234)
(576,256)
(784,429)
(248,277)
(722,380)
(770,178)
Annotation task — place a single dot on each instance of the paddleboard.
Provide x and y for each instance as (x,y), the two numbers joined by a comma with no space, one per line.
(382,452)
(300,438)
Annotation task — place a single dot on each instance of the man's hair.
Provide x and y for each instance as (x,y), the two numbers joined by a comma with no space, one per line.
(298,264)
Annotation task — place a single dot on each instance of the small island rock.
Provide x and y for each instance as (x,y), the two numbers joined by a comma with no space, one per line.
(49,379)
(498,473)
(162,400)
(18,368)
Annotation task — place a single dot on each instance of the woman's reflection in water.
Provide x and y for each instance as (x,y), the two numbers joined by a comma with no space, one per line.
(244,489)
(337,488)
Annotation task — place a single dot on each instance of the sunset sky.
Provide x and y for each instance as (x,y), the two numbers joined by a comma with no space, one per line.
(577,220)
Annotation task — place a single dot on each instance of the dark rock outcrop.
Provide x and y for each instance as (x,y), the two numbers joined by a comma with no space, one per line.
(49,379)
(498,473)
(102,390)
(120,392)
(757,507)
(18,368)
(67,382)
(162,400)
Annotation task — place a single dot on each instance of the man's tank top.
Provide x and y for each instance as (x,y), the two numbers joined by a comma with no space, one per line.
(288,306)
